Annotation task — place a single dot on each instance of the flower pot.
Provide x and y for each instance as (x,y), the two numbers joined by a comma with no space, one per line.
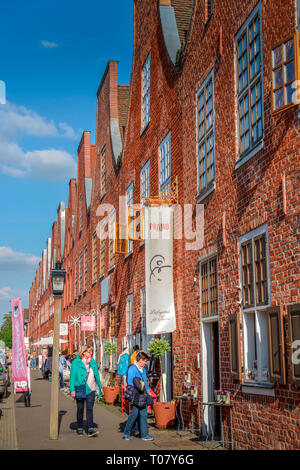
(110,394)
(164,413)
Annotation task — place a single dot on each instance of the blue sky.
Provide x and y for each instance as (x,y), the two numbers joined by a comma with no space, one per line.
(52,58)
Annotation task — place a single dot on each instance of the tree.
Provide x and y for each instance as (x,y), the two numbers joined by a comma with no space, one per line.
(6,330)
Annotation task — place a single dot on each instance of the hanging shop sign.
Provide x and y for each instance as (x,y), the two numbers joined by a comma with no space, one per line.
(160,310)
(63,329)
(19,365)
(88,323)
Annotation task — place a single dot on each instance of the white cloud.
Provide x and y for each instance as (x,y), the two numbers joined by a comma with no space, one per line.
(15,120)
(68,131)
(50,164)
(49,45)
(9,293)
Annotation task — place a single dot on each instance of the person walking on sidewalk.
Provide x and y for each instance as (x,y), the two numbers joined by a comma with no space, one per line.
(84,386)
(62,365)
(138,387)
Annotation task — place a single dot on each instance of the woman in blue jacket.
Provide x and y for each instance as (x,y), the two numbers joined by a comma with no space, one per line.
(137,379)
(84,371)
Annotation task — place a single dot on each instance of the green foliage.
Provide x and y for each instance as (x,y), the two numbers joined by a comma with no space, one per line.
(180,56)
(6,330)
(112,381)
(158,347)
(119,161)
(110,348)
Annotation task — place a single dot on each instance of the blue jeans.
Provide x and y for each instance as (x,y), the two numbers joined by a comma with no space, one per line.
(135,413)
(61,380)
(89,400)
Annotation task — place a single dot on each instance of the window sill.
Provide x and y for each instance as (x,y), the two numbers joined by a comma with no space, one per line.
(128,255)
(249,155)
(144,128)
(259,388)
(200,197)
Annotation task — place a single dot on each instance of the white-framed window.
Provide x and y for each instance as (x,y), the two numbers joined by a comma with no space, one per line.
(129,315)
(103,171)
(145,181)
(249,83)
(146,80)
(143,310)
(94,256)
(129,200)
(80,274)
(255,298)
(112,221)
(165,164)
(102,249)
(76,279)
(80,213)
(206,134)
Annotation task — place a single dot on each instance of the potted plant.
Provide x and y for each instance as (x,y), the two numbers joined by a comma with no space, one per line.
(164,411)
(111,390)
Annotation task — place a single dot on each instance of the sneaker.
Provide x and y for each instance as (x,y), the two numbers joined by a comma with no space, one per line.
(127,438)
(80,432)
(147,438)
(92,432)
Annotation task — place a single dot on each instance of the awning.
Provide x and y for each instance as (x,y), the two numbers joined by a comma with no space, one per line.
(48,341)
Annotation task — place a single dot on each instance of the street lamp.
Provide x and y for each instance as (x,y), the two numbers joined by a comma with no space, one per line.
(57,283)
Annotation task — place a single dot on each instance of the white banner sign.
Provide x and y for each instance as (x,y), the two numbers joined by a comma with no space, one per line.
(63,329)
(160,311)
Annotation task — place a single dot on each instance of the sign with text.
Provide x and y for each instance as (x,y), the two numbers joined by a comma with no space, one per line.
(63,329)
(160,310)
(88,323)
(19,365)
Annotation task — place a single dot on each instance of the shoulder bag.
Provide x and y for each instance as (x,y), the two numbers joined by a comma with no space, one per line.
(80,390)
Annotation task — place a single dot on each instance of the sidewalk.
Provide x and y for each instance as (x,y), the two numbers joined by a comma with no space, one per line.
(25,428)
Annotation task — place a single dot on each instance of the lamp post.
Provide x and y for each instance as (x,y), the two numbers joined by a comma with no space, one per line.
(57,283)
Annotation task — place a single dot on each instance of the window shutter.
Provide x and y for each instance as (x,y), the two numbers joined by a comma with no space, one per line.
(114,356)
(135,223)
(121,244)
(235,346)
(294,335)
(276,345)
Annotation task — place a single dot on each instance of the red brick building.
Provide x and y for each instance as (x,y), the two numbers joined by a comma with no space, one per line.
(211,108)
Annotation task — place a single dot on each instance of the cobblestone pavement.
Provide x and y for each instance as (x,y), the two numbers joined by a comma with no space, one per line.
(25,428)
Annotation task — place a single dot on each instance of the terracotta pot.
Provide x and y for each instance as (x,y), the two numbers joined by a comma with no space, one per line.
(110,394)
(164,413)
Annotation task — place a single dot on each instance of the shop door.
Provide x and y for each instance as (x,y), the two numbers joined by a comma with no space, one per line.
(210,377)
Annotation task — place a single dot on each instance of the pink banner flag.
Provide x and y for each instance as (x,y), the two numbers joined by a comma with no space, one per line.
(88,323)
(19,366)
